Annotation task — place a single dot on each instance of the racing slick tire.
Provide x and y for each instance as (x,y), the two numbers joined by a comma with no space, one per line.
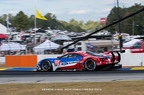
(46,66)
(89,65)
(110,67)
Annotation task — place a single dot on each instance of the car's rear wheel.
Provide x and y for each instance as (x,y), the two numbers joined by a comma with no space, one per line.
(46,66)
(89,65)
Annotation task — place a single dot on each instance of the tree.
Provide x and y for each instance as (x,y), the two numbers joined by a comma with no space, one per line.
(21,21)
(91,25)
(133,24)
(31,21)
(73,22)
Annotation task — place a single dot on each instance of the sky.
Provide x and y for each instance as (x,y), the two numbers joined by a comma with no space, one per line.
(65,9)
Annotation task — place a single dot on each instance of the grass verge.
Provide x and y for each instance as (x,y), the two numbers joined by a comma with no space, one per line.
(76,88)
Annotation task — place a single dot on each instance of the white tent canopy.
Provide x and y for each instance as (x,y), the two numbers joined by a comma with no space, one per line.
(131,43)
(12,46)
(47,45)
(3,29)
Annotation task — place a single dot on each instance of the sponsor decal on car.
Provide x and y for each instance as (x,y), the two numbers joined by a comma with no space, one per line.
(56,62)
(71,62)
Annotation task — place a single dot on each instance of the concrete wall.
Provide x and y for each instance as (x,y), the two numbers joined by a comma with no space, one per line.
(2,59)
(128,59)
(132,59)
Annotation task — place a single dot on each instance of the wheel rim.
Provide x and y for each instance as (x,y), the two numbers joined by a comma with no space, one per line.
(90,65)
(46,65)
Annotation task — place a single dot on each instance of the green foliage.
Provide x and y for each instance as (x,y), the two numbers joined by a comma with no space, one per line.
(91,25)
(132,25)
(3,18)
(21,21)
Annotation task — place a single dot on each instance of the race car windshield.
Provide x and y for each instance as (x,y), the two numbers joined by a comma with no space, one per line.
(93,54)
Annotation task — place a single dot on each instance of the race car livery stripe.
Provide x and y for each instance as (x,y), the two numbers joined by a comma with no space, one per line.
(67,65)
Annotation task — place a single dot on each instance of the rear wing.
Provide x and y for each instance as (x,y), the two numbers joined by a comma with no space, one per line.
(113,56)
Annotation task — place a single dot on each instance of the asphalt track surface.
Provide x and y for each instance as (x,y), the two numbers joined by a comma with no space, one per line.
(69,76)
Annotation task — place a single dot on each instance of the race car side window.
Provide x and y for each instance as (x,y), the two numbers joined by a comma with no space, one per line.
(65,56)
(72,56)
(75,56)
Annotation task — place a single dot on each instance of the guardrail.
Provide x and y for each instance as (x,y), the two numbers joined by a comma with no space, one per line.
(127,59)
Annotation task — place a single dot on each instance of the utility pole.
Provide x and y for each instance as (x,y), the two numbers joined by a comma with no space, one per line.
(119,29)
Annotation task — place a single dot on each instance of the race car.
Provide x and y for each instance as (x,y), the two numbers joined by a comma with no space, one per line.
(80,61)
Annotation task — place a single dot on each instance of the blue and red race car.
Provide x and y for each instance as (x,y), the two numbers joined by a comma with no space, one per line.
(79,61)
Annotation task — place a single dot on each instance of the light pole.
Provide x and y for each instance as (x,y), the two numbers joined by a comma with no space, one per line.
(133,26)
(119,28)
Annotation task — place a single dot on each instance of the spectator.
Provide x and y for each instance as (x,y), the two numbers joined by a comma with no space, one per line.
(64,51)
(3,54)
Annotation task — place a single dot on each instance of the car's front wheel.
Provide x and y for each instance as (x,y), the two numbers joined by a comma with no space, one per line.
(89,65)
(46,66)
